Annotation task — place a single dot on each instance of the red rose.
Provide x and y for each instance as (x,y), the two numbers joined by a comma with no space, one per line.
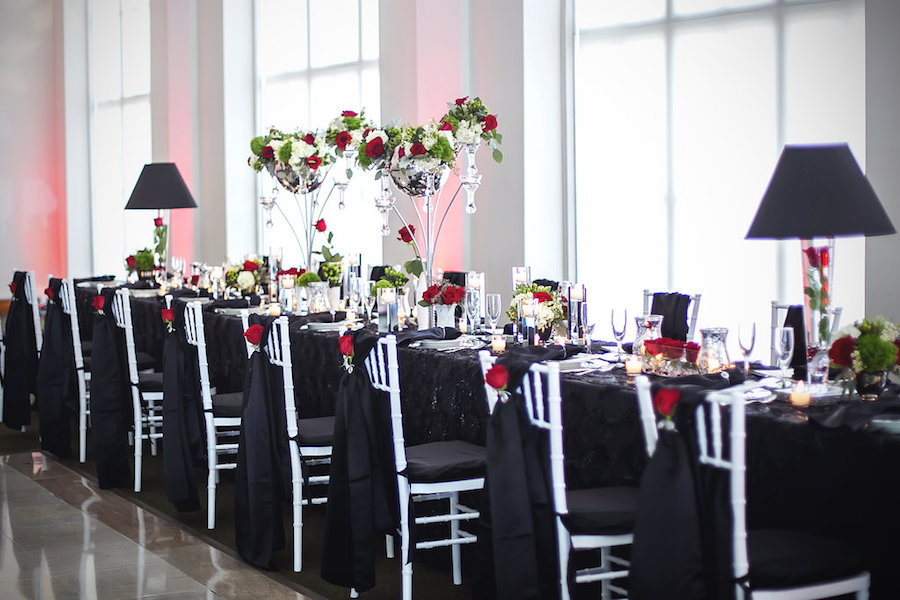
(665,400)
(542,297)
(12,287)
(401,152)
(429,294)
(320,225)
(673,349)
(168,315)
(497,377)
(195,279)
(840,351)
(445,126)
(375,147)
(250,265)
(489,123)
(691,351)
(812,256)
(313,162)
(97,303)
(268,152)
(651,347)
(366,132)
(461,101)
(49,293)
(254,334)
(345,344)
(448,295)
(309,139)
(130,261)
(342,139)
(348,113)
(407,233)
(301,272)
(417,149)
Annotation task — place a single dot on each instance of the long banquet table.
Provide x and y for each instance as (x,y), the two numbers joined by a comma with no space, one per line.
(831,481)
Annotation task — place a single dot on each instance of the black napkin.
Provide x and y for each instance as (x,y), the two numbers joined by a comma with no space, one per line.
(326,317)
(99,278)
(435,333)
(715,381)
(519,359)
(857,415)
(674,309)
(141,284)
(234,303)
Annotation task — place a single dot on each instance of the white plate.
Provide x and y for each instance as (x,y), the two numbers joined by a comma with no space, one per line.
(235,312)
(94,284)
(144,293)
(442,344)
(328,326)
(891,426)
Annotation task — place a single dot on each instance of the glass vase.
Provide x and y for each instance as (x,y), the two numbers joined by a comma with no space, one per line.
(713,355)
(649,327)
(818,267)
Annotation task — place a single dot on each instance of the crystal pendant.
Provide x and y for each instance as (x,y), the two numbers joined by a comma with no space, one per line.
(268,203)
(384,202)
(470,178)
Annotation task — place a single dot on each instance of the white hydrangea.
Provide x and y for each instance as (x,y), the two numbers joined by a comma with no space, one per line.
(465,133)
(276,145)
(246,281)
(301,150)
(337,124)
(428,163)
(356,137)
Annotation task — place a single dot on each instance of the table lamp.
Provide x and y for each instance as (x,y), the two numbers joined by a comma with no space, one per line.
(161,187)
(818,193)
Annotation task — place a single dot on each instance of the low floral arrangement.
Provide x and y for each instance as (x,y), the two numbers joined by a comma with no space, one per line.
(550,311)
(292,158)
(866,345)
(665,356)
(244,277)
(345,133)
(392,278)
(307,277)
(425,148)
(445,294)
(141,261)
(470,121)
(330,269)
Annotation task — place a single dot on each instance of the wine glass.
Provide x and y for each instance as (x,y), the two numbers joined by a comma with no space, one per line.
(354,288)
(472,302)
(493,310)
(588,336)
(784,349)
(370,299)
(618,334)
(747,348)
(178,269)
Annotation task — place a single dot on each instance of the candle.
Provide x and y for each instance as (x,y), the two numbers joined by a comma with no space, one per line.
(463,328)
(800,395)
(527,309)
(351,315)
(498,344)
(274,310)
(473,280)
(576,292)
(560,340)
(713,365)
(633,365)
(389,296)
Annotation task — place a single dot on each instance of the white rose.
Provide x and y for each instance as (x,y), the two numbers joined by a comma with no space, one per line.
(337,124)
(301,150)
(355,138)
(276,145)
(246,281)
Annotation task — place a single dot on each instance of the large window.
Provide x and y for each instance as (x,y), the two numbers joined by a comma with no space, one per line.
(119,63)
(681,110)
(327,63)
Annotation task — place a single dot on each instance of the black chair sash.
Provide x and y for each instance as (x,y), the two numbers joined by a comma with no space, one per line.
(57,388)
(20,379)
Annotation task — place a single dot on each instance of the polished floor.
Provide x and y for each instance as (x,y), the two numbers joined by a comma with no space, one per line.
(63,538)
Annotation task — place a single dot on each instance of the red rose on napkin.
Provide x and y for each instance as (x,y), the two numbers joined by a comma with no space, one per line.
(348,113)
(168,315)
(313,162)
(254,334)
(345,343)
(309,139)
(268,152)
(320,225)
(445,126)
(490,122)
(97,303)
(461,101)
(840,351)
(12,287)
(49,293)
(665,400)
(375,147)
(497,377)
(342,139)
(250,265)
(417,149)
(158,221)
(407,233)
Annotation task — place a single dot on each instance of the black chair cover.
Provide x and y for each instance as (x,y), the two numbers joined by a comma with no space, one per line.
(184,442)
(550,283)
(377,272)
(362,491)
(111,408)
(455,277)
(57,387)
(674,309)
(20,379)
(262,478)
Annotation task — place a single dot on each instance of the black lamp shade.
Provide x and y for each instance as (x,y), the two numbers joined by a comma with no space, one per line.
(160,186)
(819,191)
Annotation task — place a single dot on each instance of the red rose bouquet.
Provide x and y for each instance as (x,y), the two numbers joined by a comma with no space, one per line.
(445,293)
(470,122)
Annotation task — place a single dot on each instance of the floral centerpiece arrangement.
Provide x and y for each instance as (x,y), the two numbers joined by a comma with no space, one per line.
(141,261)
(345,133)
(443,297)
(550,311)
(470,122)
(294,159)
(866,350)
(376,148)
(668,357)
(245,277)
(306,278)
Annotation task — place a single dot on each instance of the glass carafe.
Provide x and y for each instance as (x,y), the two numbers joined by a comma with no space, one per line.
(318,296)
(713,355)
(649,327)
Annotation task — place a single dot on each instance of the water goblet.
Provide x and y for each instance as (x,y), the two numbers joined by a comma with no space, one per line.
(493,310)
(747,348)
(784,349)
(370,299)
(472,305)
(588,336)
(618,333)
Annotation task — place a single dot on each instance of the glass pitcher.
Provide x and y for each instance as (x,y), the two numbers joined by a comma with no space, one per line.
(649,327)
(318,296)
(713,355)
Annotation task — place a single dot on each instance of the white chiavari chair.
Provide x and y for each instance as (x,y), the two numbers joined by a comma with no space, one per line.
(692,320)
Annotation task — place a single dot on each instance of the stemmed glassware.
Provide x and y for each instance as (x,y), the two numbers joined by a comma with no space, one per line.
(473,298)
(618,333)
(784,349)
(355,295)
(178,265)
(588,336)
(493,310)
(370,299)
(747,348)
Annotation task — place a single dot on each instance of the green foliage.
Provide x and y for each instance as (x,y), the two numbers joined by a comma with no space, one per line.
(380,284)
(160,234)
(256,145)
(328,253)
(307,278)
(331,271)
(413,267)
(876,353)
(284,153)
(143,260)
(395,278)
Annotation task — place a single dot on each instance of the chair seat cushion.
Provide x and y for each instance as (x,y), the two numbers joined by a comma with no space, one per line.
(145,361)
(780,558)
(444,461)
(150,382)
(318,431)
(228,405)
(601,511)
